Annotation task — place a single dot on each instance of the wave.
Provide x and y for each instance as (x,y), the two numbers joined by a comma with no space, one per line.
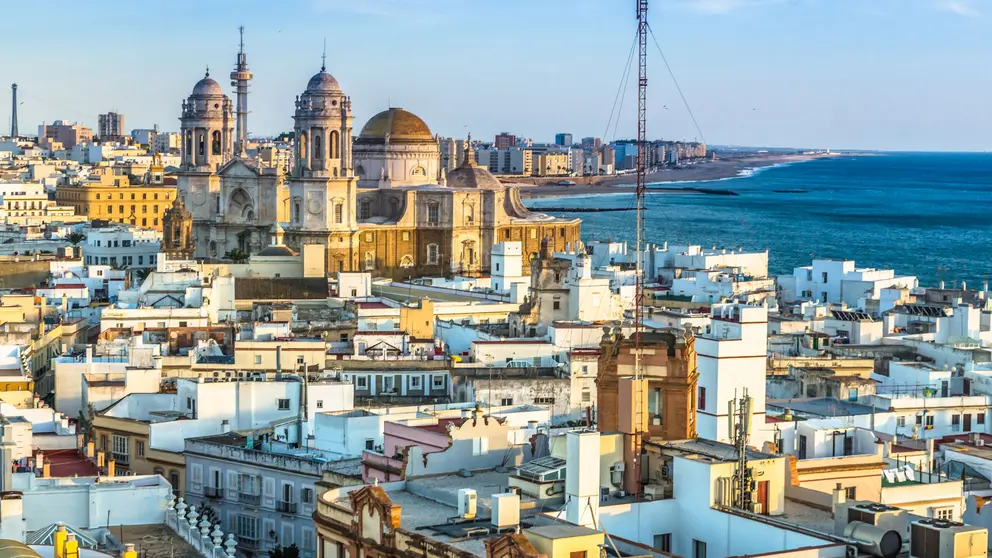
(743,173)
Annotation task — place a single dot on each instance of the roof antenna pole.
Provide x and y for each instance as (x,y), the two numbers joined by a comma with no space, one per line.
(323,57)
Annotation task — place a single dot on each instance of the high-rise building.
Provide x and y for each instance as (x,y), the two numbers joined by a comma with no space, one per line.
(592,144)
(505,141)
(110,126)
(452,152)
(563,139)
(69,135)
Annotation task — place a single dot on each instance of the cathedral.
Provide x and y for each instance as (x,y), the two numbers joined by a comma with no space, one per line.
(378,202)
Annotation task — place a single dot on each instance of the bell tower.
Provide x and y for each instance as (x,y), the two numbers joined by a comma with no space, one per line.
(177,232)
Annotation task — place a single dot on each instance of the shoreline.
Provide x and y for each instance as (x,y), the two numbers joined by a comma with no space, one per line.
(709,171)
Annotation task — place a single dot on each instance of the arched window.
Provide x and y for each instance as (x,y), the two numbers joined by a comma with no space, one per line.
(201,147)
(369,261)
(334,148)
(418,171)
(316,146)
(303,145)
(360,171)
(338,213)
(469,214)
(215,143)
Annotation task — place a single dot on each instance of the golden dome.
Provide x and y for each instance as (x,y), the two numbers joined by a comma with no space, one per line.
(399,125)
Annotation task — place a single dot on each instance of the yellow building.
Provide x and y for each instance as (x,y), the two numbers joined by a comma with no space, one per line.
(126,441)
(551,164)
(142,205)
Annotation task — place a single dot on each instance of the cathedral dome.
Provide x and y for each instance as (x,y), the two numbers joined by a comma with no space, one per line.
(323,82)
(399,125)
(207,86)
(471,175)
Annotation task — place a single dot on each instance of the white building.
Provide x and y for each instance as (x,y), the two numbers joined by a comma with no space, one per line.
(507,269)
(122,245)
(839,281)
(731,358)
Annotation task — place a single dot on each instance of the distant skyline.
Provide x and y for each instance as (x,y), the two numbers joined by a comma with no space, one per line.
(860,74)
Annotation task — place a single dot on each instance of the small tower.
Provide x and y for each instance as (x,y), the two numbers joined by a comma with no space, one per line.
(177,232)
(13,111)
(239,79)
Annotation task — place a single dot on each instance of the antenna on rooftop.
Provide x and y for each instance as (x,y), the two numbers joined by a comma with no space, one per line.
(739,425)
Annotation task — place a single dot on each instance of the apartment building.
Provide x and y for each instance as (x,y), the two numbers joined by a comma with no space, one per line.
(141,205)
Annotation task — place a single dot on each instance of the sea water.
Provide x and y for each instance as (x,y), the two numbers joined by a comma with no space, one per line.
(923,214)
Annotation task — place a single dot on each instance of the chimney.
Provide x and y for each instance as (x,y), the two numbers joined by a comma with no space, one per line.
(225,426)
(111,468)
(39,460)
(89,450)
(278,362)
(582,478)
(129,551)
(839,496)
(58,540)
(100,459)
(89,354)
(46,470)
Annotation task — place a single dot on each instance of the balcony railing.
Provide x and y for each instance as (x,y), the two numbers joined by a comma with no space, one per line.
(246,541)
(286,507)
(213,492)
(251,499)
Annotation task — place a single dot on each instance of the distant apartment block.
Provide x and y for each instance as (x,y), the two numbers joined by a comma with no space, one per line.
(507,161)
(505,141)
(110,126)
(69,135)
(563,139)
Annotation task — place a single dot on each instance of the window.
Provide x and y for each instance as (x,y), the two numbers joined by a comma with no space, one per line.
(586,396)
(824,277)
(370,445)
(141,259)
(139,448)
(174,480)
(405,236)
(851,492)
(701,404)
(369,260)
(506,401)
(296,212)
(544,400)
(144,209)
(433,213)
(946,514)
(480,446)
(663,542)
(980,418)
(415,382)
(533,233)
(306,495)
(919,420)
(432,254)
(189,402)
(698,549)
(557,305)
(338,213)
(120,446)
(577,554)
(365,210)
(246,527)
(362,382)
(901,421)
(852,394)
(258,359)
(930,421)
(955,423)
(283,404)
(437,382)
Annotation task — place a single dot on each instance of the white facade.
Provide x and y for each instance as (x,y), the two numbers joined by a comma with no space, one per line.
(839,281)
(730,359)
(506,267)
(929,417)
(88,502)
(122,245)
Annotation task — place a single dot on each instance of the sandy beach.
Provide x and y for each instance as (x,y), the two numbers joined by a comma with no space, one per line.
(709,170)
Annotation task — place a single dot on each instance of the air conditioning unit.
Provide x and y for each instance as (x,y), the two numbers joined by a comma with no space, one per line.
(506,510)
(937,538)
(467,503)
(886,518)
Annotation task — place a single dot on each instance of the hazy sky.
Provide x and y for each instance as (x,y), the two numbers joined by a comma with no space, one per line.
(885,74)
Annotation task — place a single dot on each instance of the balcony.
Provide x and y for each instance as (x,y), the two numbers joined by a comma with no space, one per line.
(121,458)
(286,507)
(213,492)
(248,542)
(250,499)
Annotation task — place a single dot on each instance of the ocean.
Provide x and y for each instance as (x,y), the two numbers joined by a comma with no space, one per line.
(923,214)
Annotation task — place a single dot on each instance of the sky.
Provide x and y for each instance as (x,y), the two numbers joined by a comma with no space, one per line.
(865,74)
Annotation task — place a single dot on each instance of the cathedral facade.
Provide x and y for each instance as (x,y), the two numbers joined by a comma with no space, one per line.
(378,202)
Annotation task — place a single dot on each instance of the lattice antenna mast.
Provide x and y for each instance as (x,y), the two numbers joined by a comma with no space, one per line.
(739,416)
(642,91)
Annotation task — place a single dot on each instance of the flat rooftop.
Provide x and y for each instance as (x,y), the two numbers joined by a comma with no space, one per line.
(712,449)
(820,407)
